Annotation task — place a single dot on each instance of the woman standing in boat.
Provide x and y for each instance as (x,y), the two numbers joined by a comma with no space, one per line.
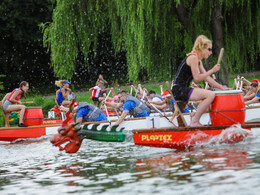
(191,68)
(13,103)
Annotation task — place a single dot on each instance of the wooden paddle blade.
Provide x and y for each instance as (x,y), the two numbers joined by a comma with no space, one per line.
(220,55)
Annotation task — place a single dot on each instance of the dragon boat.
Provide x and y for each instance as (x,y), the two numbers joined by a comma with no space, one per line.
(229,122)
(38,126)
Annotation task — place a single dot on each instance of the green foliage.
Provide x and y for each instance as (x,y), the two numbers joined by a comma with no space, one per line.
(150,32)
(1,83)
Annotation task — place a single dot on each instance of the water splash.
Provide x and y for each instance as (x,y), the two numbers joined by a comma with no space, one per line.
(232,134)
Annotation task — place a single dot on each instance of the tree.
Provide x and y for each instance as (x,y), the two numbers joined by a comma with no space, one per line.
(155,34)
(22,54)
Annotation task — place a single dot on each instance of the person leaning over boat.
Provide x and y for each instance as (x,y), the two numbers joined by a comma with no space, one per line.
(250,94)
(86,112)
(13,103)
(63,92)
(191,68)
(133,106)
(255,89)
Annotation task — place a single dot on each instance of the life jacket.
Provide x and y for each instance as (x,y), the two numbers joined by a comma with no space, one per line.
(93,114)
(140,106)
(158,96)
(17,97)
(60,97)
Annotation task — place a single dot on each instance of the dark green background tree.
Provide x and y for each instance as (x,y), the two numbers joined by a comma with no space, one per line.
(125,40)
(155,33)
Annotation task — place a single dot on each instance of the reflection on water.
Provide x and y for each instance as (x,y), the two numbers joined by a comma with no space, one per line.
(35,167)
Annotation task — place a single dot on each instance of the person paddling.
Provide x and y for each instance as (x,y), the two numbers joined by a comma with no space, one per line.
(86,112)
(131,105)
(13,103)
(63,92)
(191,68)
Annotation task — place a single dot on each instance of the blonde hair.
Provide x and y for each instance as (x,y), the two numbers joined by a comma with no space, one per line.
(59,83)
(201,43)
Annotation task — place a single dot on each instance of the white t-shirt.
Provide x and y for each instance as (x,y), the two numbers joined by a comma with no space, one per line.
(95,91)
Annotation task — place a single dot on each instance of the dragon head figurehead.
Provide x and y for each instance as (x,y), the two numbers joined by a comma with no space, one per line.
(67,134)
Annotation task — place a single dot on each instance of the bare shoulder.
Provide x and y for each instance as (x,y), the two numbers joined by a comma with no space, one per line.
(192,59)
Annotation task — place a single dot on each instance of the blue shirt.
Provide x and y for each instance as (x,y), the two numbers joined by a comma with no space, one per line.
(173,103)
(60,97)
(130,105)
(258,95)
(82,112)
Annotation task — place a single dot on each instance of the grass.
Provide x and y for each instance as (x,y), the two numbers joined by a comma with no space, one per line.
(48,103)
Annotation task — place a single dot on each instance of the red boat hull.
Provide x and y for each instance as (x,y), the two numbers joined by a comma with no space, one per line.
(186,139)
(21,133)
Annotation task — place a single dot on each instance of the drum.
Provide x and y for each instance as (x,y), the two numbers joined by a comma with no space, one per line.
(228,108)
(33,116)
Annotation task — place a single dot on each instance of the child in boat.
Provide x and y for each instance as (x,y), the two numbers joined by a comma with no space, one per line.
(101,79)
(131,105)
(191,68)
(256,89)
(95,92)
(86,112)
(12,102)
(63,92)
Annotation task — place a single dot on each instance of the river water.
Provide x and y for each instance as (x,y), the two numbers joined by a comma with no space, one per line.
(36,167)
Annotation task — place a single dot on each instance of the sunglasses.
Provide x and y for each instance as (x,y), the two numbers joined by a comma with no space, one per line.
(210,49)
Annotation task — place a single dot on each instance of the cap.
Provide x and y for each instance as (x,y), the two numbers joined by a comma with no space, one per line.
(166,94)
(76,105)
(115,98)
(66,82)
(254,80)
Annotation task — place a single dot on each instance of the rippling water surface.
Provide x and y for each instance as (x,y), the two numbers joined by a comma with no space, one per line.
(36,167)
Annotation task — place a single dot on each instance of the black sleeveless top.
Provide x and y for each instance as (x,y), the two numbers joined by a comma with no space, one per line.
(183,76)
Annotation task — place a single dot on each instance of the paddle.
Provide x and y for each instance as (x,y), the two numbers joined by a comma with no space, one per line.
(180,117)
(106,107)
(136,92)
(28,102)
(161,113)
(131,91)
(220,55)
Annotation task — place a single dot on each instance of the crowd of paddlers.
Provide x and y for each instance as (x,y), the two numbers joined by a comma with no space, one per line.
(184,95)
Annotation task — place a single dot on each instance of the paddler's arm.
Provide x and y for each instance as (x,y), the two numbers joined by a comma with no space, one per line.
(90,91)
(65,95)
(254,100)
(210,80)
(114,105)
(198,72)
(79,120)
(246,81)
(121,118)
(176,112)
(132,86)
